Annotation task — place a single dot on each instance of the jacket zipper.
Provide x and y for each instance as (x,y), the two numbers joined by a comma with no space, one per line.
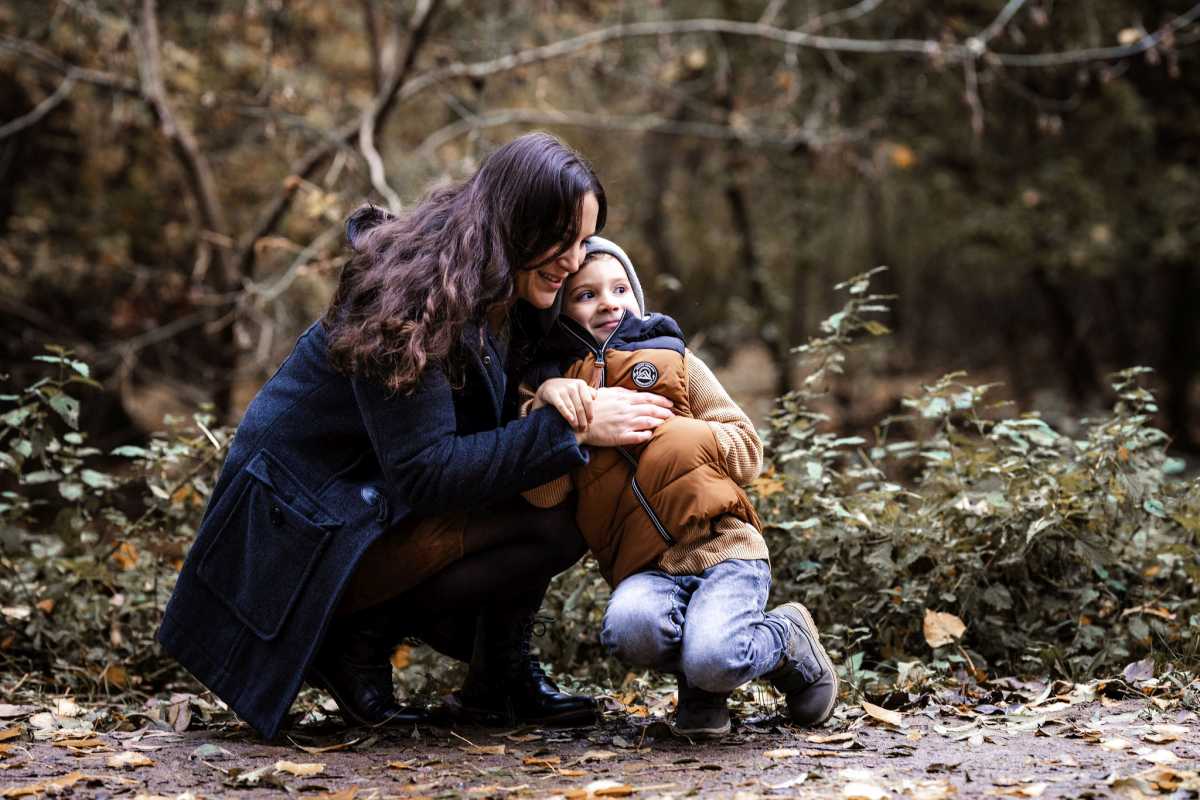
(641,498)
(633,462)
(597,352)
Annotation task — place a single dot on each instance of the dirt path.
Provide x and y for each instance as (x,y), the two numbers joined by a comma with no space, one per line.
(1083,749)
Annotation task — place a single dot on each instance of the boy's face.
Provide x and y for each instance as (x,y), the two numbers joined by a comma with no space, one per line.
(598,295)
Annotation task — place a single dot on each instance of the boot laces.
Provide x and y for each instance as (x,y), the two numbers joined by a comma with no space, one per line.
(535,626)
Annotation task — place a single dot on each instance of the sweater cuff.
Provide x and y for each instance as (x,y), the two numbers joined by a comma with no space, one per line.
(566,449)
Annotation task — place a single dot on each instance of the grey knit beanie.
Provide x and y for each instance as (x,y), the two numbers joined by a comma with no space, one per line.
(598,244)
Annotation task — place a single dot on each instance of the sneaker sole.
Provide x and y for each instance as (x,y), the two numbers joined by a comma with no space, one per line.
(800,616)
(701,733)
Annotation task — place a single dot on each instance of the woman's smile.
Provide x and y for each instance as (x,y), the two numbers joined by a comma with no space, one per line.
(552,280)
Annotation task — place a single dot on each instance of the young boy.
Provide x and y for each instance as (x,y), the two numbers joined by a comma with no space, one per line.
(668,522)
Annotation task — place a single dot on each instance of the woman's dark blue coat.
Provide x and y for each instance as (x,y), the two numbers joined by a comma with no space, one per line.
(320,466)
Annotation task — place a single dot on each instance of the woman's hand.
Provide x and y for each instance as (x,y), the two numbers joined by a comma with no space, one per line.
(624,417)
(572,398)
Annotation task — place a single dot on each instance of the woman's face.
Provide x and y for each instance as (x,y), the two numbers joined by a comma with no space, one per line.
(538,287)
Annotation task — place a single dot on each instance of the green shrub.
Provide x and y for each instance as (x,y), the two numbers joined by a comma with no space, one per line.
(90,542)
(1062,555)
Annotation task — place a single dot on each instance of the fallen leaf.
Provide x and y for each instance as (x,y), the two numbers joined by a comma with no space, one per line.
(547,761)
(572,773)
(1154,611)
(46,606)
(1159,734)
(523,737)
(596,755)
(1159,756)
(783,752)
(831,738)
(299,770)
(9,711)
(66,707)
(210,750)
(1139,671)
(344,794)
(85,743)
(54,785)
(608,788)
(128,760)
(863,791)
(402,656)
(883,714)
(928,789)
(788,784)
(116,675)
(1115,744)
(126,555)
(410,764)
(11,733)
(484,749)
(942,628)
(766,485)
(1027,790)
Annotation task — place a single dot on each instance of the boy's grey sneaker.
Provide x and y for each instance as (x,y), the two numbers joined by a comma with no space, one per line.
(806,677)
(700,714)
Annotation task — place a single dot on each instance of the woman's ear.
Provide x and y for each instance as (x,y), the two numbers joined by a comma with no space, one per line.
(363,219)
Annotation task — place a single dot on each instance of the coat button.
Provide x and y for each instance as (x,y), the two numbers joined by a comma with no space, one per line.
(487,361)
(276,515)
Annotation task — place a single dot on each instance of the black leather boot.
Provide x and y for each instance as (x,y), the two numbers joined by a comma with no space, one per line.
(354,666)
(506,685)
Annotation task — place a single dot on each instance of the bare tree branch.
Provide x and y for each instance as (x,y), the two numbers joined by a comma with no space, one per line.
(44,57)
(372,118)
(649,123)
(566,47)
(971,95)
(183,143)
(370,15)
(40,110)
(1098,53)
(997,25)
(860,9)
(952,53)
(310,161)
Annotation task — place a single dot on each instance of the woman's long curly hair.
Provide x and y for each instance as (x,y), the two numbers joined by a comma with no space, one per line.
(417,279)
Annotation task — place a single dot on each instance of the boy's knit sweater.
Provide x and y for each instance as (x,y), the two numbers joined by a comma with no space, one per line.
(726,537)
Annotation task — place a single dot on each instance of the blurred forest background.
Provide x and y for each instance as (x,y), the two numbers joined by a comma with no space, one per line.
(173,178)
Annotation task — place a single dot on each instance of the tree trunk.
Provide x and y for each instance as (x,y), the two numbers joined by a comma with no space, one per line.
(1077,361)
(1181,353)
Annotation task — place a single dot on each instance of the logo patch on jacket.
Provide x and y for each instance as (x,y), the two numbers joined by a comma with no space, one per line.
(644,374)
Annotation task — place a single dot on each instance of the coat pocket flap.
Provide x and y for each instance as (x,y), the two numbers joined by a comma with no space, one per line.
(274,474)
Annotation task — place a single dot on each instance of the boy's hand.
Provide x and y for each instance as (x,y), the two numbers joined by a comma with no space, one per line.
(572,398)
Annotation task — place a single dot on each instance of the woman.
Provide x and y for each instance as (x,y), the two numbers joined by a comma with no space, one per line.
(384,434)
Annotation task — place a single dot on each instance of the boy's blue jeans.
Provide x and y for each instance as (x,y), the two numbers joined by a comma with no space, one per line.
(709,627)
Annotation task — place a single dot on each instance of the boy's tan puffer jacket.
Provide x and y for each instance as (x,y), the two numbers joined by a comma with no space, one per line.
(680,477)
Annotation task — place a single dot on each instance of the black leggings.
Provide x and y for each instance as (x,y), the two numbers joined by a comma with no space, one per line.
(510,553)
